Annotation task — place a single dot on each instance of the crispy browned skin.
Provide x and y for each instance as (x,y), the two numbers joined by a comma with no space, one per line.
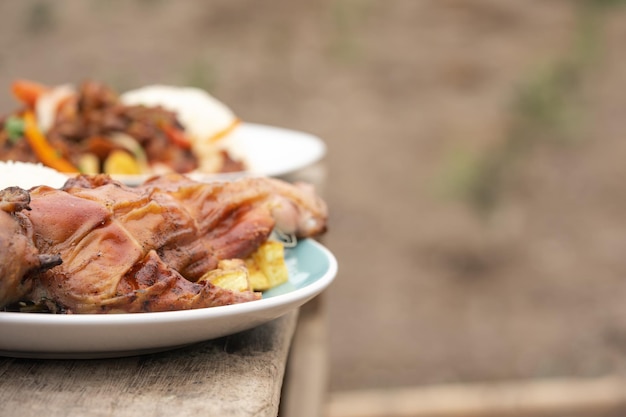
(142,249)
(19,258)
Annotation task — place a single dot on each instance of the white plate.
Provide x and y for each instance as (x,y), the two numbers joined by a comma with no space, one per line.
(268,150)
(311,266)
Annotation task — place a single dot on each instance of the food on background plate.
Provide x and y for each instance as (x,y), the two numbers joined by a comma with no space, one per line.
(98,246)
(91,129)
(27,175)
(208,134)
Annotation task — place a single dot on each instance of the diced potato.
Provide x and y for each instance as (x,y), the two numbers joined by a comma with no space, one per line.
(121,162)
(89,164)
(256,277)
(266,266)
(230,274)
(262,270)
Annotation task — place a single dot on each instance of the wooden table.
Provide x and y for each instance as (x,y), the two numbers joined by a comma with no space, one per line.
(238,375)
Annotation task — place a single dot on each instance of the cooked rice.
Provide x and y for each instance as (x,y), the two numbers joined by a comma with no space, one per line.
(27,175)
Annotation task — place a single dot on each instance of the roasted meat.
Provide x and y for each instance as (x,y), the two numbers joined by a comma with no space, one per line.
(20,259)
(144,249)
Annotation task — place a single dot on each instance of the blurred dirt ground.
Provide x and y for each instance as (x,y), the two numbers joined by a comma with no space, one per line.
(525,276)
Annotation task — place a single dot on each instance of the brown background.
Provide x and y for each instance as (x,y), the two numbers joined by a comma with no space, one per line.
(476,159)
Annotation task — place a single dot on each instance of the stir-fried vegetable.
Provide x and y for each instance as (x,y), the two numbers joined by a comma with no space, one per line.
(44,151)
(121,162)
(28,92)
(223,133)
(14,126)
(177,136)
(91,130)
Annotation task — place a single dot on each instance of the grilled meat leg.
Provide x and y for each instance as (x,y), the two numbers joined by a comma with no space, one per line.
(20,260)
(143,249)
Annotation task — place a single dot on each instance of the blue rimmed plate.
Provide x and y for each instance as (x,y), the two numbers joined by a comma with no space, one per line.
(312,267)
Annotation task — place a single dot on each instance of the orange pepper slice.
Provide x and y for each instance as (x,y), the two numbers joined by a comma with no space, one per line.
(222,133)
(28,92)
(43,150)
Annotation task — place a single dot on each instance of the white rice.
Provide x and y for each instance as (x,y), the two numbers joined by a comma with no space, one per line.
(27,175)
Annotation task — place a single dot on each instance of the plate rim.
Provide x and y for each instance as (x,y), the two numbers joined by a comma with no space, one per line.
(313,158)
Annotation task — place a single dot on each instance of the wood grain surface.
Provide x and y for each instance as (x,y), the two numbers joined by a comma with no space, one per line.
(238,375)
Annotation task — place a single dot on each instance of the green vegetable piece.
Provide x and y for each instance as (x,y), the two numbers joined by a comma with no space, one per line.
(14,126)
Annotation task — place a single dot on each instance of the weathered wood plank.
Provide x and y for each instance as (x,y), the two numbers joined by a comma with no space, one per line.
(238,375)
(604,396)
(305,389)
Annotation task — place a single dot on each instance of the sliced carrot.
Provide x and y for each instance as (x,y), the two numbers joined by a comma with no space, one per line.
(43,150)
(28,92)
